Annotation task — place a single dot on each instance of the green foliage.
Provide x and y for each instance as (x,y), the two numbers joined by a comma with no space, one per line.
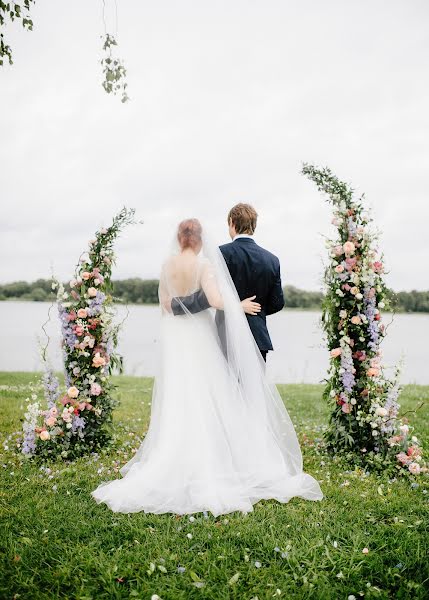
(113,70)
(296,298)
(56,542)
(13,11)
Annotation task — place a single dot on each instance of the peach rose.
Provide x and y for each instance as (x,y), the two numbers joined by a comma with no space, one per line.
(339,268)
(82,313)
(336,352)
(50,421)
(86,275)
(73,392)
(354,290)
(356,320)
(92,291)
(44,435)
(349,248)
(98,361)
(373,372)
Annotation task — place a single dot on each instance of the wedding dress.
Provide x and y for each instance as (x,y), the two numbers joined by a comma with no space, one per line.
(220,438)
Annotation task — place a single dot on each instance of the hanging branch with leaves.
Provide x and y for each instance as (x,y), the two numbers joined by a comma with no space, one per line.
(114,71)
(13,11)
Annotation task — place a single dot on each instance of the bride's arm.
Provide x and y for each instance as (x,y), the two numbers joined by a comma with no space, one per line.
(214,297)
(210,287)
(163,295)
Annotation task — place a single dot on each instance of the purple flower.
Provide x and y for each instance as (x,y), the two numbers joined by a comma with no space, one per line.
(95,306)
(52,387)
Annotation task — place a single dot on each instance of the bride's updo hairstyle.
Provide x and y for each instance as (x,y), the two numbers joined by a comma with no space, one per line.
(189,234)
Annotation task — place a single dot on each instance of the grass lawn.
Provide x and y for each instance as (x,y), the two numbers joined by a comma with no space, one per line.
(56,542)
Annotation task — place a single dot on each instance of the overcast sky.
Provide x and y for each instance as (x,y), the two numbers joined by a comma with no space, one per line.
(228,97)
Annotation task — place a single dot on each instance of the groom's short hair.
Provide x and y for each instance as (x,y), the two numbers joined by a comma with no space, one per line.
(243,217)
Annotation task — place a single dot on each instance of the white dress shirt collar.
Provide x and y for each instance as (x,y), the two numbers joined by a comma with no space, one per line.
(242,235)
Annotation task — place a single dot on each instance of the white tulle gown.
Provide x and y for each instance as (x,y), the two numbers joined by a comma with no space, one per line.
(220,438)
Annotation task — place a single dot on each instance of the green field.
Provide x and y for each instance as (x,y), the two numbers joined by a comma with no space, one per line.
(56,542)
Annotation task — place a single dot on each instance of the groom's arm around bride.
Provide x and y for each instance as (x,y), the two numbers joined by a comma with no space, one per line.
(254,271)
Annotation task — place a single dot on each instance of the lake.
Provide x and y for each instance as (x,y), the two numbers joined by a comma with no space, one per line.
(299,356)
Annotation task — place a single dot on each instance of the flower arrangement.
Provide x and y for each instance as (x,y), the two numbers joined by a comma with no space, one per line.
(78,421)
(365,424)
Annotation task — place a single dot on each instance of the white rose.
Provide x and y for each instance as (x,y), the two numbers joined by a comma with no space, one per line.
(404,428)
(359,296)
(381,305)
(381,411)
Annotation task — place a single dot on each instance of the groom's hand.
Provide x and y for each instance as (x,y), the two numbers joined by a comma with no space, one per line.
(194,303)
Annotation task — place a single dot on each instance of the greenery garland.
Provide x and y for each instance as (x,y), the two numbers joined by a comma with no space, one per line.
(364,425)
(78,421)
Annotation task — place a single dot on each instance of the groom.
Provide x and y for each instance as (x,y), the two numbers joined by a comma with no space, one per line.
(254,271)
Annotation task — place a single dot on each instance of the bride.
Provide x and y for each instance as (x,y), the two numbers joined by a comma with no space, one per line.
(220,438)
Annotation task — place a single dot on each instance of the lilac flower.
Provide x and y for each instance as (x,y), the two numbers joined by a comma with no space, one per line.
(78,425)
(347,377)
(370,308)
(68,334)
(52,386)
(95,306)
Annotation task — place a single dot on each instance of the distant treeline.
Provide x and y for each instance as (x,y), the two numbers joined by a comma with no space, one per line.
(145,291)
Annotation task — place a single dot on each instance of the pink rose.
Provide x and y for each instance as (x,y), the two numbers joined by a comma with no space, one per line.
(403,458)
(95,389)
(414,451)
(338,250)
(336,352)
(82,313)
(339,268)
(414,468)
(378,267)
(50,421)
(349,248)
(78,330)
(350,263)
(346,408)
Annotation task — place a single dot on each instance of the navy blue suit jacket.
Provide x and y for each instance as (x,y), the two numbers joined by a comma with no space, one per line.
(254,271)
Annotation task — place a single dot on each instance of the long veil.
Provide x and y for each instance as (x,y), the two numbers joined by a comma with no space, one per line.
(261,398)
